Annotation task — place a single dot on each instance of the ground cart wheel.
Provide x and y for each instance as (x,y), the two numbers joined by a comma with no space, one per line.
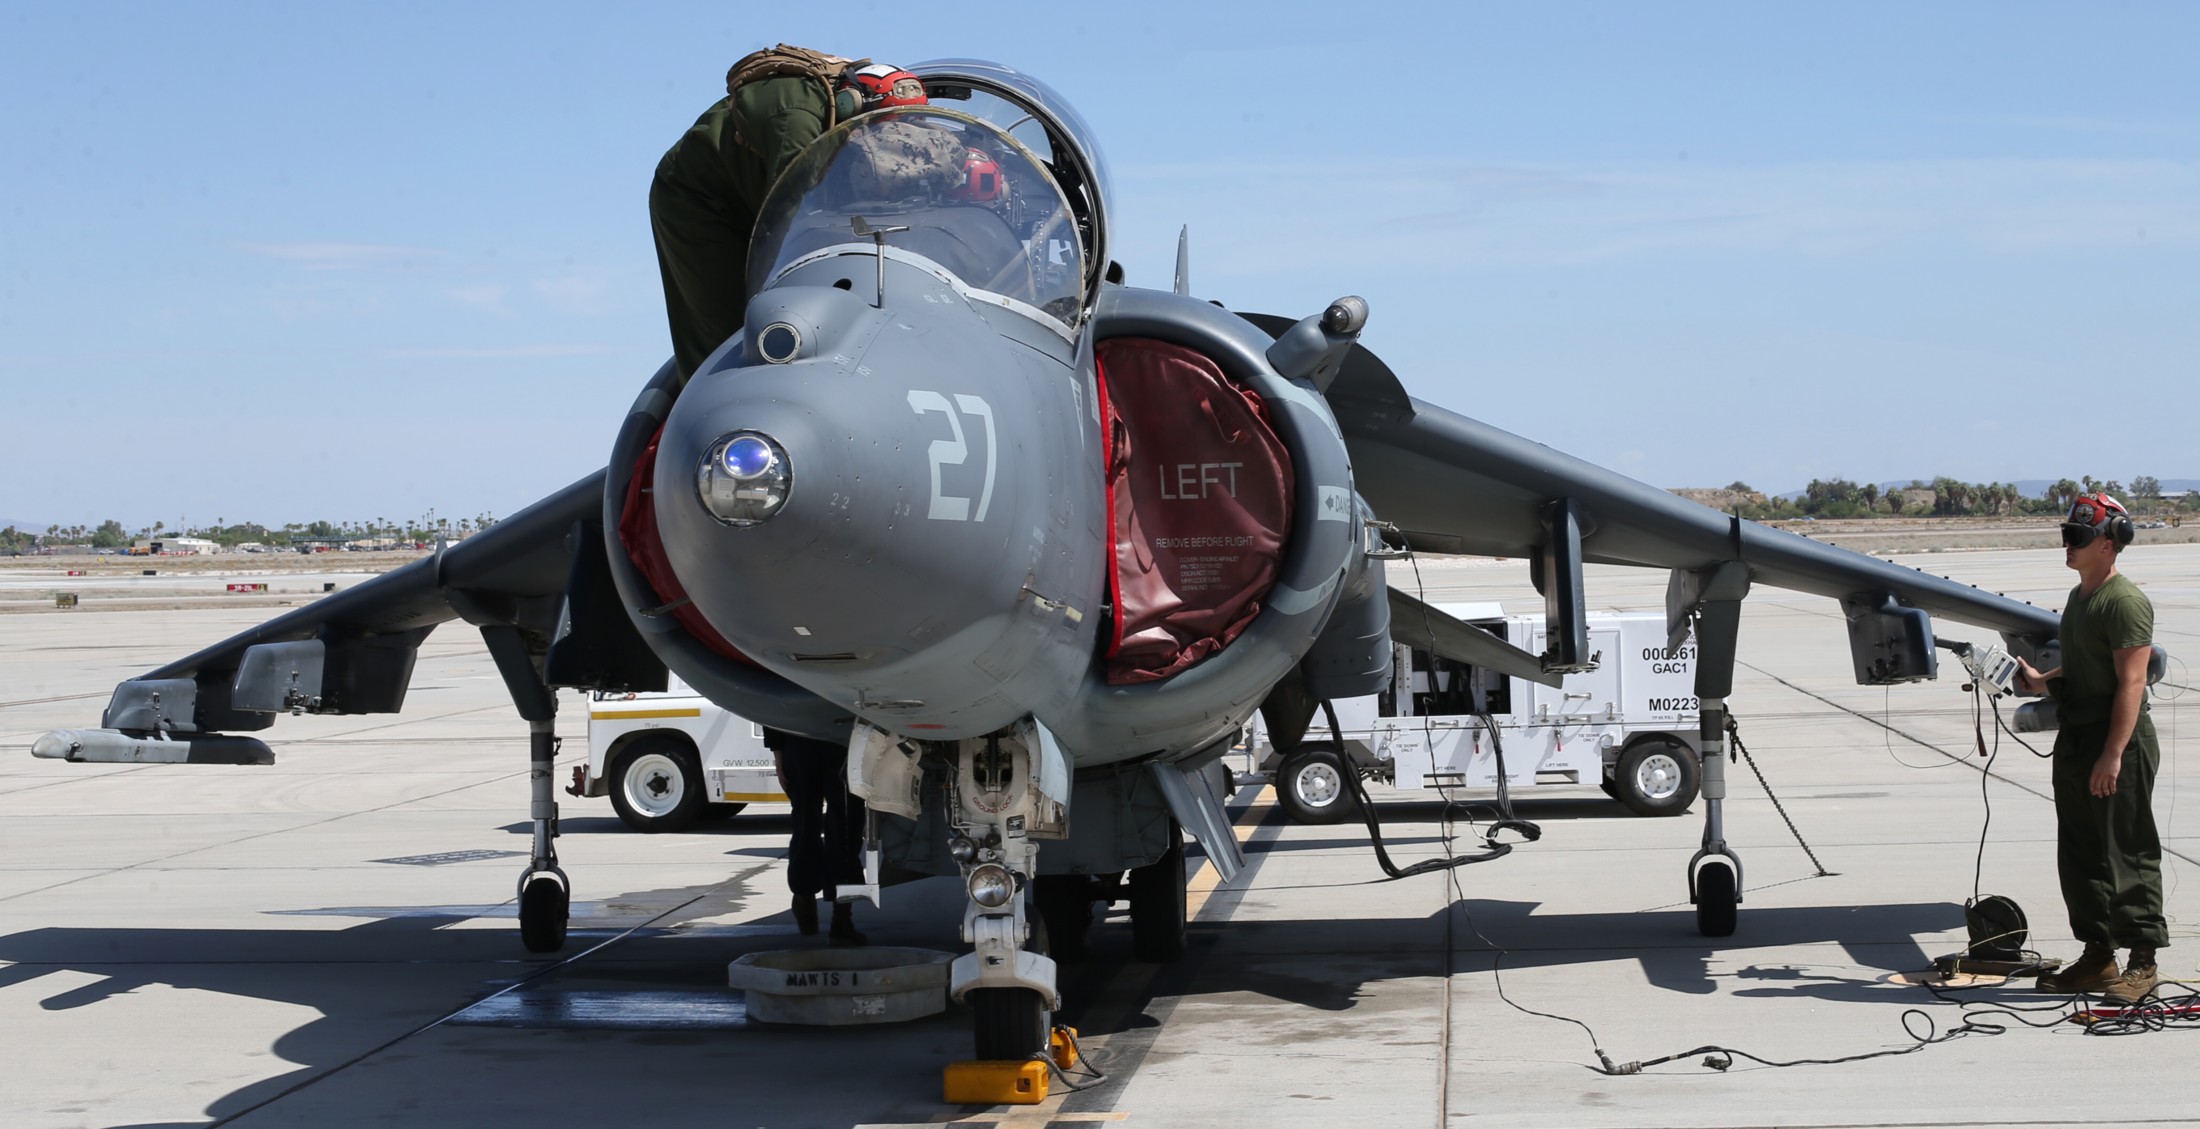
(1011,1023)
(1656,776)
(1311,786)
(543,908)
(1718,891)
(657,784)
(1158,905)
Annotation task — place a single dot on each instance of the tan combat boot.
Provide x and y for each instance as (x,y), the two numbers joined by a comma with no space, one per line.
(2089,973)
(2137,982)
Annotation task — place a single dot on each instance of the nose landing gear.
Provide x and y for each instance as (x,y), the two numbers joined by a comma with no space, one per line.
(1010,789)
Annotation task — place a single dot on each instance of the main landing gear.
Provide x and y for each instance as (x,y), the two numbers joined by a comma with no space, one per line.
(1158,894)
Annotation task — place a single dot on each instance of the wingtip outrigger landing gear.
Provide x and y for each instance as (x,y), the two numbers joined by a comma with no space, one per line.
(545,894)
(1712,598)
(1715,871)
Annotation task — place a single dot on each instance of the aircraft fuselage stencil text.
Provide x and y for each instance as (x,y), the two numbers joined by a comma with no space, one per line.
(1192,481)
(953,451)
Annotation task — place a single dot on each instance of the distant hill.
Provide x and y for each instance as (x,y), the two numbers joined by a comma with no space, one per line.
(2029,487)
(24,526)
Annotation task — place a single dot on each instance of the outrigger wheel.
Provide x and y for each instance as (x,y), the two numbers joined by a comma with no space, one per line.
(544,908)
(1718,892)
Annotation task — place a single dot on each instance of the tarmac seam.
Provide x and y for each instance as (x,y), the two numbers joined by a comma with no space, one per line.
(56,698)
(455,1012)
(149,863)
(1965,761)
(1103,1096)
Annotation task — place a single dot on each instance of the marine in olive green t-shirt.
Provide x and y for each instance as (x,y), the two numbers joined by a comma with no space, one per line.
(2108,850)
(2115,617)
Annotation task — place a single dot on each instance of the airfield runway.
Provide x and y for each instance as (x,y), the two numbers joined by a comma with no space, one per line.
(330,941)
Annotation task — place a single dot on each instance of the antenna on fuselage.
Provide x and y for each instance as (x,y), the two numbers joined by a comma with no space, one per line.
(1184,260)
(878,236)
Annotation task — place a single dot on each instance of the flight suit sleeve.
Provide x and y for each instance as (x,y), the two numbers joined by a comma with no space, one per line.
(775,119)
(798,126)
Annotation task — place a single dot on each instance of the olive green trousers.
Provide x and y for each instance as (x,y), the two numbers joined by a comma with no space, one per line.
(2106,849)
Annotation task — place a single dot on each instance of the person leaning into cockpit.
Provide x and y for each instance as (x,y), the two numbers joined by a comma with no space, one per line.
(704,198)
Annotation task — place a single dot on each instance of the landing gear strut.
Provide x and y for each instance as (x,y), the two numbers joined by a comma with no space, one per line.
(545,895)
(1715,597)
(1715,872)
(1010,789)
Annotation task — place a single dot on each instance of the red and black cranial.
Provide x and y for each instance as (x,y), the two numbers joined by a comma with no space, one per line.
(881,86)
(2092,516)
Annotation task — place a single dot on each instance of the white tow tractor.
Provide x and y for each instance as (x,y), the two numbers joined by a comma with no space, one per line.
(1629,726)
(668,759)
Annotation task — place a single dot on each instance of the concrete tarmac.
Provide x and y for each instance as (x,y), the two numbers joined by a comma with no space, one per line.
(330,941)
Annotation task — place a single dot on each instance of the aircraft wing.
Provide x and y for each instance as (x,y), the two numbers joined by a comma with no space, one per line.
(353,651)
(1456,485)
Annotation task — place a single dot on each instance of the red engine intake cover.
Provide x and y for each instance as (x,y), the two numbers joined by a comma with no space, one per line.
(1199,499)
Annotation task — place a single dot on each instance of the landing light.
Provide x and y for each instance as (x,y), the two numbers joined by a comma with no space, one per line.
(744,478)
(992,885)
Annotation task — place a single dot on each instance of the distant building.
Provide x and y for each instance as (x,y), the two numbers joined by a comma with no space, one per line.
(173,546)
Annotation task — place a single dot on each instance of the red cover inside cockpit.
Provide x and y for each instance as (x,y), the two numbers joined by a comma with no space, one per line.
(1199,499)
(638,532)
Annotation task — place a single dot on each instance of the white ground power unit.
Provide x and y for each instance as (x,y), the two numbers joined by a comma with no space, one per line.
(1629,726)
(667,760)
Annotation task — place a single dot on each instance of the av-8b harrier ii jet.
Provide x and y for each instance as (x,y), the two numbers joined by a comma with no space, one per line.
(1034,544)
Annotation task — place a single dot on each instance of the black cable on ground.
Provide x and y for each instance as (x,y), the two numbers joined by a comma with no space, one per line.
(1492,849)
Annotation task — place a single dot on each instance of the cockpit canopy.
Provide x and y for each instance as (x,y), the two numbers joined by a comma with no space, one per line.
(946,188)
(1035,114)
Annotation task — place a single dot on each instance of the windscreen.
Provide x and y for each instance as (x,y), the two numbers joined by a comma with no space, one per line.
(958,192)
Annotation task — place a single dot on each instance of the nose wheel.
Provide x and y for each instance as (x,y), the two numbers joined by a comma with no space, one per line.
(1011,1023)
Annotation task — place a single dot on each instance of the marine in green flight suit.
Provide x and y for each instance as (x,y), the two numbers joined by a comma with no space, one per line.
(704,199)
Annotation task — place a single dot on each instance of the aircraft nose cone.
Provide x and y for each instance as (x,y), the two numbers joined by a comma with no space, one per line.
(773,502)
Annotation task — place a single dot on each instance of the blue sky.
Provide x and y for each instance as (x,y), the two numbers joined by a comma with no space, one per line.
(284,262)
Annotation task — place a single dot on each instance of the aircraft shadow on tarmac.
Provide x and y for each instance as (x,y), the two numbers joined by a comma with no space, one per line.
(373,982)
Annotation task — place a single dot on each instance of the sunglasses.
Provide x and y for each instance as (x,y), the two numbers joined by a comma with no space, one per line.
(2076,536)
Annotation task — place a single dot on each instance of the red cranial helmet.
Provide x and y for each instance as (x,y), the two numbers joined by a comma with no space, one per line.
(2094,510)
(981,181)
(880,86)
(2094,516)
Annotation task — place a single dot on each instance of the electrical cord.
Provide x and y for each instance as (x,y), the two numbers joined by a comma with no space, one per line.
(1086,1078)
(1492,848)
